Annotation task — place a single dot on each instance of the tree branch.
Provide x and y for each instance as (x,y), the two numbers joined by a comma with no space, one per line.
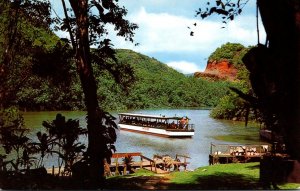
(68,24)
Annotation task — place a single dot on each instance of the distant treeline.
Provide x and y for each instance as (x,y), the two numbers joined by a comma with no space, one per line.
(155,86)
(42,76)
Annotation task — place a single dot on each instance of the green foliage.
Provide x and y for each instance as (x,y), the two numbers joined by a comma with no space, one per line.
(231,106)
(43,76)
(63,138)
(20,155)
(153,84)
(227,9)
(156,85)
(53,83)
(233,52)
(22,35)
(226,109)
(13,140)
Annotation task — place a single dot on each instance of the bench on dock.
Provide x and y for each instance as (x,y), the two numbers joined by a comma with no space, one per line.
(127,163)
(124,163)
(158,164)
(225,153)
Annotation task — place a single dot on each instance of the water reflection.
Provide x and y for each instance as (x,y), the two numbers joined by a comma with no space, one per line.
(207,130)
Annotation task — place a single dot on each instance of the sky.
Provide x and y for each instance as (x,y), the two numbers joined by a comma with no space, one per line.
(163,31)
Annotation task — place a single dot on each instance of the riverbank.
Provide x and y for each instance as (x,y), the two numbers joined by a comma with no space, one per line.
(238,176)
(235,176)
(207,131)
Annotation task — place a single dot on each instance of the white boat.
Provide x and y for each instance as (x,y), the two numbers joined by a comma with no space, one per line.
(156,125)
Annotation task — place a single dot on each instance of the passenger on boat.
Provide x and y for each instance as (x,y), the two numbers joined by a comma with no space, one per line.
(183,122)
(173,125)
(186,121)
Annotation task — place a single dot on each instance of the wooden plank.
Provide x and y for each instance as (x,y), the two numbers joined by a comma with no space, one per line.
(180,163)
(143,157)
(185,156)
(157,156)
(122,155)
(158,170)
(143,163)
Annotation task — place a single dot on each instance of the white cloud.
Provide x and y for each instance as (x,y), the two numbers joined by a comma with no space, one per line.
(184,66)
(243,29)
(163,32)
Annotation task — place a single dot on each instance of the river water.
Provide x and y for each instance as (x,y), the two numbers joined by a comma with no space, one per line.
(207,131)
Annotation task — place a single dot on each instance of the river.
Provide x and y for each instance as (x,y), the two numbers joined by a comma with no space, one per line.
(207,131)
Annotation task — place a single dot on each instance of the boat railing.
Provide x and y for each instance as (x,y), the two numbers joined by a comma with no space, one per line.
(191,127)
(159,125)
(186,127)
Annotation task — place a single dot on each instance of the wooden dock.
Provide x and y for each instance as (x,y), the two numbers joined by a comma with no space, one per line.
(225,153)
(123,163)
(126,163)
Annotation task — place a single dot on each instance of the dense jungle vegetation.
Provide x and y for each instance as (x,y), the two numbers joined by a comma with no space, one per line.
(232,106)
(51,82)
(45,78)
(156,85)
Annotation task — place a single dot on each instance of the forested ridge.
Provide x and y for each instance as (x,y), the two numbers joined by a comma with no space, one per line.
(156,85)
(44,76)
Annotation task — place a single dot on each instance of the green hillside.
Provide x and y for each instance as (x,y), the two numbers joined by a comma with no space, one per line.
(231,106)
(156,86)
(41,75)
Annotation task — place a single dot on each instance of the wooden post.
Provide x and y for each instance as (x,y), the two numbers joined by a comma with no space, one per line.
(125,170)
(117,167)
(53,170)
(228,150)
(58,174)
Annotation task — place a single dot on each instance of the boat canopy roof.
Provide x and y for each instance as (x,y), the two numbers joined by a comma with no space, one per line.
(149,116)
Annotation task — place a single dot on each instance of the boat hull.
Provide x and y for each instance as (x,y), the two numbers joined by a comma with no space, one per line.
(156,131)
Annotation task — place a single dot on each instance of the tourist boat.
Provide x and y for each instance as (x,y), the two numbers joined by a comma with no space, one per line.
(156,125)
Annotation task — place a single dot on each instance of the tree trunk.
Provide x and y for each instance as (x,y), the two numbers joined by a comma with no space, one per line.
(95,142)
(281,20)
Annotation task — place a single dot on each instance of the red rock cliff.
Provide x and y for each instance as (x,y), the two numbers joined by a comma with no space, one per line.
(219,70)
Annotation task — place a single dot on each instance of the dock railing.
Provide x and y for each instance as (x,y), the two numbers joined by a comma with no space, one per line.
(185,157)
(152,163)
(144,162)
(226,153)
(122,163)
